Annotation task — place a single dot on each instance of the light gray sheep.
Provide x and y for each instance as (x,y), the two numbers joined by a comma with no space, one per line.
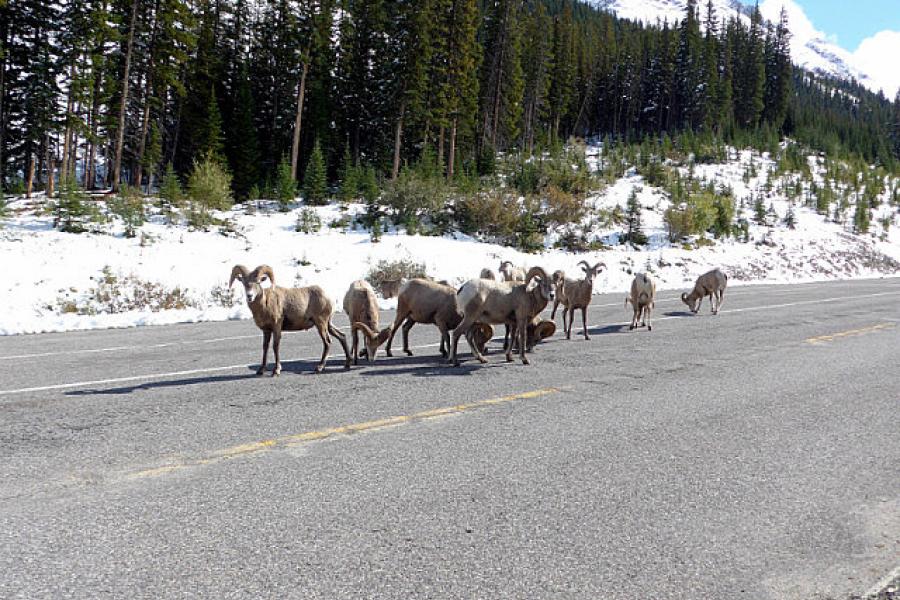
(277,309)
(493,303)
(509,272)
(642,299)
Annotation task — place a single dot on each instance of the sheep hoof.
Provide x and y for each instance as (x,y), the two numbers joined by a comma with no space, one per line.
(455,363)
(389,353)
(587,338)
(408,352)
(276,373)
(260,371)
(347,365)
(318,369)
(525,361)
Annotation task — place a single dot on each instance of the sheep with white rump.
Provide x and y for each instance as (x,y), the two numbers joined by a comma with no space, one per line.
(710,284)
(362,310)
(642,299)
(277,309)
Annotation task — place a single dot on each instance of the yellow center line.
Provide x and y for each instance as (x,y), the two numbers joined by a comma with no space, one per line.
(321,434)
(850,332)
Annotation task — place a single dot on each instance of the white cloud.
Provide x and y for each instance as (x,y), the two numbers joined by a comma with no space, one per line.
(877,57)
(802,28)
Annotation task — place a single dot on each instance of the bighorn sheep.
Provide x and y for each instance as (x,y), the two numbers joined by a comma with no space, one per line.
(642,298)
(492,303)
(276,309)
(488,274)
(509,272)
(362,310)
(538,331)
(575,293)
(425,301)
(389,288)
(710,284)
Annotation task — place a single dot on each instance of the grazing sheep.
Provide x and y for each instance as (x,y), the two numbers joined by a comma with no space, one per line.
(276,309)
(642,298)
(575,293)
(491,302)
(710,284)
(538,331)
(362,310)
(508,272)
(425,301)
(488,274)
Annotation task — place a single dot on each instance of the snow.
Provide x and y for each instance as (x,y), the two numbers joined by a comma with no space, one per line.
(48,272)
(810,48)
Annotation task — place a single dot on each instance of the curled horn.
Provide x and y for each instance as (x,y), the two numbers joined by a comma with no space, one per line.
(544,329)
(503,263)
(586,266)
(596,268)
(536,272)
(264,270)
(377,337)
(684,296)
(238,272)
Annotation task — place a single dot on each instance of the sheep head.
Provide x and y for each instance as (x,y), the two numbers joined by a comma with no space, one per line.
(589,271)
(373,340)
(251,280)
(690,302)
(546,287)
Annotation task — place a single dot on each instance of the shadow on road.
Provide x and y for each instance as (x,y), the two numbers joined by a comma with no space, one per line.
(424,366)
(608,329)
(678,313)
(287,368)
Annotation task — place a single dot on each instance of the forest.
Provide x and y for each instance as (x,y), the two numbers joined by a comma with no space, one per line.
(103,94)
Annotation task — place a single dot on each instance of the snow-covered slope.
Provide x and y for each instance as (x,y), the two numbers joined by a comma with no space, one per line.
(809,47)
(56,281)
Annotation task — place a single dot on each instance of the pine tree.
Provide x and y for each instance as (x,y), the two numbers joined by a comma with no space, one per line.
(562,79)
(171,194)
(502,80)
(285,185)
(861,216)
(635,235)
(349,177)
(689,70)
(243,146)
(315,182)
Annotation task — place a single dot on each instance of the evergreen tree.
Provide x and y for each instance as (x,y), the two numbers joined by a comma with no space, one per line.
(315,182)
(502,81)
(349,177)
(562,78)
(243,146)
(285,185)
(635,235)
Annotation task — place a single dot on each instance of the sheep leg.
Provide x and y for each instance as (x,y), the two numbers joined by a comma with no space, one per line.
(506,340)
(276,345)
(461,330)
(553,312)
(565,312)
(267,336)
(397,321)
(322,328)
(584,322)
(647,312)
(343,341)
(523,339)
(571,311)
(721,300)
(445,342)
(406,327)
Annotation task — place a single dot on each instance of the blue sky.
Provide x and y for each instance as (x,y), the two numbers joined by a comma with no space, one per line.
(851,21)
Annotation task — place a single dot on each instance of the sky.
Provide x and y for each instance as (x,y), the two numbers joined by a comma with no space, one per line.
(868,29)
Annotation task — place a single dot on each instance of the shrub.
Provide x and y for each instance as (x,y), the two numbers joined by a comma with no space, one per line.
(308,221)
(368,185)
(412,195)
(171,195)
(392,270)
(209,185)
(563,207)
(492,214)
(128,205)
(723,205)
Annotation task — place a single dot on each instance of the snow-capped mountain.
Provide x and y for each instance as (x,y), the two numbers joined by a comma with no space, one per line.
(809,47)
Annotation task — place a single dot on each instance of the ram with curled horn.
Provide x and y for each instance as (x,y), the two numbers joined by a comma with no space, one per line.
(576,293)
(493,303)
(277,309)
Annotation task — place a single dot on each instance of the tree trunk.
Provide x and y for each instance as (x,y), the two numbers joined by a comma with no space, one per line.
(67,134)
(398,140)
(29,176)
(50,187)
(123,102)
(148,96)
(298,120)
(3,41)
(440,154)
(451,159)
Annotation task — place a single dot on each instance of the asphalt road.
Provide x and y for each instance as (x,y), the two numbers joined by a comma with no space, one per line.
(754,454)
